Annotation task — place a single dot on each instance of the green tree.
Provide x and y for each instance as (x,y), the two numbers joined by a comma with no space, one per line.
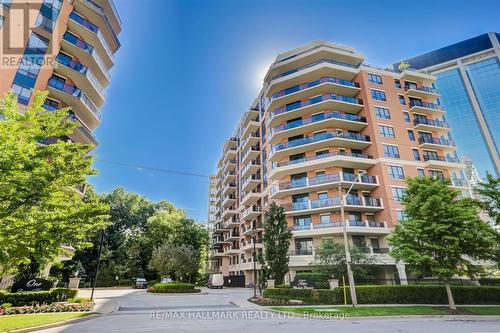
(443,236)
(489,197)
(182,261)
(276,238)
(330,258)
(40,210)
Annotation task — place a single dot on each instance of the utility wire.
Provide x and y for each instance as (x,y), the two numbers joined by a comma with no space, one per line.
(139,167)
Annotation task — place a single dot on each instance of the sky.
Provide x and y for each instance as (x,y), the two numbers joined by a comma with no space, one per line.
(187,70)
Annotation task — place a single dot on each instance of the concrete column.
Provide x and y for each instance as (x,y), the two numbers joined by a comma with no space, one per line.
(402,273)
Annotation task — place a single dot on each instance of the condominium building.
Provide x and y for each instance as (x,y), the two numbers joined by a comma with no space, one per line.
(66,47)
(325,122)
(468,78)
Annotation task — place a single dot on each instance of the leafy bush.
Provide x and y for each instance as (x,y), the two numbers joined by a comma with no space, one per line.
(38,297)
(419,294)
(283,286)
(173,287)
(45,308)
(78,300)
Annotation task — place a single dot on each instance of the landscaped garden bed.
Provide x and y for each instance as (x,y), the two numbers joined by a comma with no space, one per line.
(173,288)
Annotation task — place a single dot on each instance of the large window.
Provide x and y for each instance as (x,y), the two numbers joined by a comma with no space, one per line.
(23,93)
(378,95)
(391,151)
(401,216)
(395,172)
(398,193)
(382,113)
(28,68)
(303,246)
(374,78)
(302,222)
(386,131)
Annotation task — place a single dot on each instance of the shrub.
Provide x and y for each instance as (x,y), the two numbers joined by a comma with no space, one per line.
(38,297)
(418,294)
(45,308)
(173,287)
(283,286)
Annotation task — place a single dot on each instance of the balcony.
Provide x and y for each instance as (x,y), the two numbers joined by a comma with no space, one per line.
(82,133)
(343,160)
(229,188)
(250,182)
(251,127)
(248,246)
(251,197)
(249,229)
(228,200)
(317,122)
(323,85)
(250,168)
(229,177)
(251,154)
(460,183)
(319,141)
(353,227)
(86,55)
(92,34)
(228,213)
(232,222)
(75,98)
(251,140)
(436,143)
(251,213)
(431,109)
(314,105)
(323,182)
(81,76)
(413,75)
(220,228)
(231,250)
(436,161)
(353,203)
(229,165)
(425,124)
(421,91)
(230,144)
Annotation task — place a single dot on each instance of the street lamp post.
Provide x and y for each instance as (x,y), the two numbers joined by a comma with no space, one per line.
(254,231)
(97,265)
(350,277)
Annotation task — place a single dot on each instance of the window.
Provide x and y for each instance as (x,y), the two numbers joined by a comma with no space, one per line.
(53,105)
(436,174)
(374,78)
(45,23)
(395,172)
(416,154)
(397,83)
(323,196)
(382,113)
(401,216)
(402,100)
(398,193)
(37,44)
(411,135)
(391,151)
(28,68)
(421,172)
(324,219)
(302,222)
(386,131)
(378,95)
(23,93)
(406,117)
(1,20)
(304,246)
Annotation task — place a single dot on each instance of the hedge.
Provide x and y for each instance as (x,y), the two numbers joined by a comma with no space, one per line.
(418,294)
(37,297)
(173,287)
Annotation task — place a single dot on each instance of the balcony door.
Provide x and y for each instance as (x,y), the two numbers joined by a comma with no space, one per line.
(304,246)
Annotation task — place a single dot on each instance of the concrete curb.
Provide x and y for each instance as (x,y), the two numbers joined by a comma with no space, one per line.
(58,324)
(450,316)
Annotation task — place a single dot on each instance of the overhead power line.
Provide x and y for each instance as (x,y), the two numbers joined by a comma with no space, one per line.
(143,167)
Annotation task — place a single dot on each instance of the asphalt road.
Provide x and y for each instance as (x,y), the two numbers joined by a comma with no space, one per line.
(227,311)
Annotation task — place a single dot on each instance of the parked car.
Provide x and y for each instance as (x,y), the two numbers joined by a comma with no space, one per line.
(215,281)
(140,283)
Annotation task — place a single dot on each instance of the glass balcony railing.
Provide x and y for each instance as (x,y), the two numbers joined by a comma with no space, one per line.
(459,182)
(318,118)
(75,92)
(318,157)
(351,200)
(325,179)
(325,79)
(321,61)
(320,137)
(85,130)
(72,39)
(315,100)
(441,158)
(100,11)
(422,88)
(436,141)
(430,122)
(77,67)
(426,105)
(94,28)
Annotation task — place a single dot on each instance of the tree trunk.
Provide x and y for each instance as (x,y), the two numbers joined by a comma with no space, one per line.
(451,302)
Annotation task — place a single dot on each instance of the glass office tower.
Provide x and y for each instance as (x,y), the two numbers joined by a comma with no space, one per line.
(468,79)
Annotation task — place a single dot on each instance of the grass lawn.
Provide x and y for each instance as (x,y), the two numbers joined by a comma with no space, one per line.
(12,322)
(389,310)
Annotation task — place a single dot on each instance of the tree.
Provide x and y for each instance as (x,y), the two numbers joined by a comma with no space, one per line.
(330,258)
(443,235)
(182,261)
(276,238)
(489,197)
(40,208)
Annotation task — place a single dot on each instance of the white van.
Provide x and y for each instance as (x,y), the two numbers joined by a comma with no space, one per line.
(216,281)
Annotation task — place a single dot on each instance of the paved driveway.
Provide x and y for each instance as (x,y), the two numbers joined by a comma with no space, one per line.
(227,311)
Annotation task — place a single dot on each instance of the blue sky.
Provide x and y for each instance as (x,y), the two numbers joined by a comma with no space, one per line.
(187,70)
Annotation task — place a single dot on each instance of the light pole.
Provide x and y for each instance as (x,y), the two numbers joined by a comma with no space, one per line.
(97,265)
(350,277)
(254,232)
